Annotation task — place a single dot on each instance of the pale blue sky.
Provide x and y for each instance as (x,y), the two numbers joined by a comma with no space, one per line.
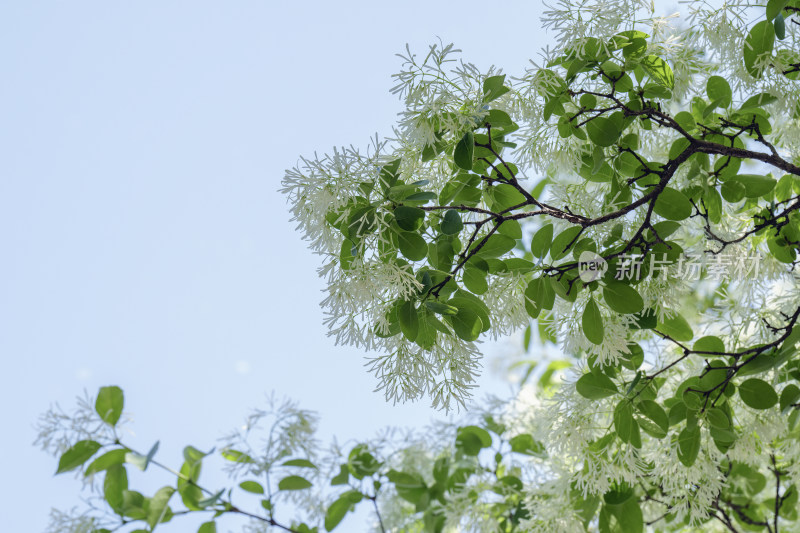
(144,241)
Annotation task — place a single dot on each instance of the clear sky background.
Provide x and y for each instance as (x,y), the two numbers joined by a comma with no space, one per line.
(143,239)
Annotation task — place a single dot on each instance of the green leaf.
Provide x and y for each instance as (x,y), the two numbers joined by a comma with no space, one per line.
(79,453)
(302,463)
(539,295)
(673,205)
(709,343)
(409,320)
(293,483)
(464,299)
(451,222)
(717,418)
(109,404)
(409,218)
(595,386)
(466,324)
(656,414)
(622,298)
(780,28)
(755,185)
(592,323)
(559,248)
(115,482)
(719,90)
(505,197)
(540,244)
(462,154)
(495,246)
(158,510)
(236,456)
(733,191)
(252,486)
(475,279)
(441,308)
(689,445)
(105,461)
(759,100)
(493,87)
(624,423)
(759,41)
(789,396)
(774,8)
(602,131)
(757,393)
(676,327)
(208,527)
(412,245)
(472,439)
(659,70)
(338,509)
(525,443)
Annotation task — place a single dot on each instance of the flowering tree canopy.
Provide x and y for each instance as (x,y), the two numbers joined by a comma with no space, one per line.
(633,199)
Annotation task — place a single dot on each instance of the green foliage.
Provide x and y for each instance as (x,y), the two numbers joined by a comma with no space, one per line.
(646,153)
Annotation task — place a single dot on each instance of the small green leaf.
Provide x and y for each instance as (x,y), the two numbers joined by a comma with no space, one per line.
(252,486)
(659,70)
(337,511)
(655,414)
(466,324)
(208,527)
(409,320)
(602,131)
(592,323)
(412,245)
(451,222)
(495,246)
(540,244)
(114,484)
(759,41)
(677,328)
(493,87)
(526,444)
(757,393)
(717,418)
(719,90)
(157,509)
(673,205)
(774,8)
(709,343)
(409,218)
(789,396)
(293,483)
(462,154)
(595,386)
(475,280)
(441,308)
(563,242)
(506,197)
(733,191)
(109,404)
(780,27)
(79,453)
(622,298)
(472,439)
(624,423)
(689,445)
(105,461)
(302,463)
(755,185)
